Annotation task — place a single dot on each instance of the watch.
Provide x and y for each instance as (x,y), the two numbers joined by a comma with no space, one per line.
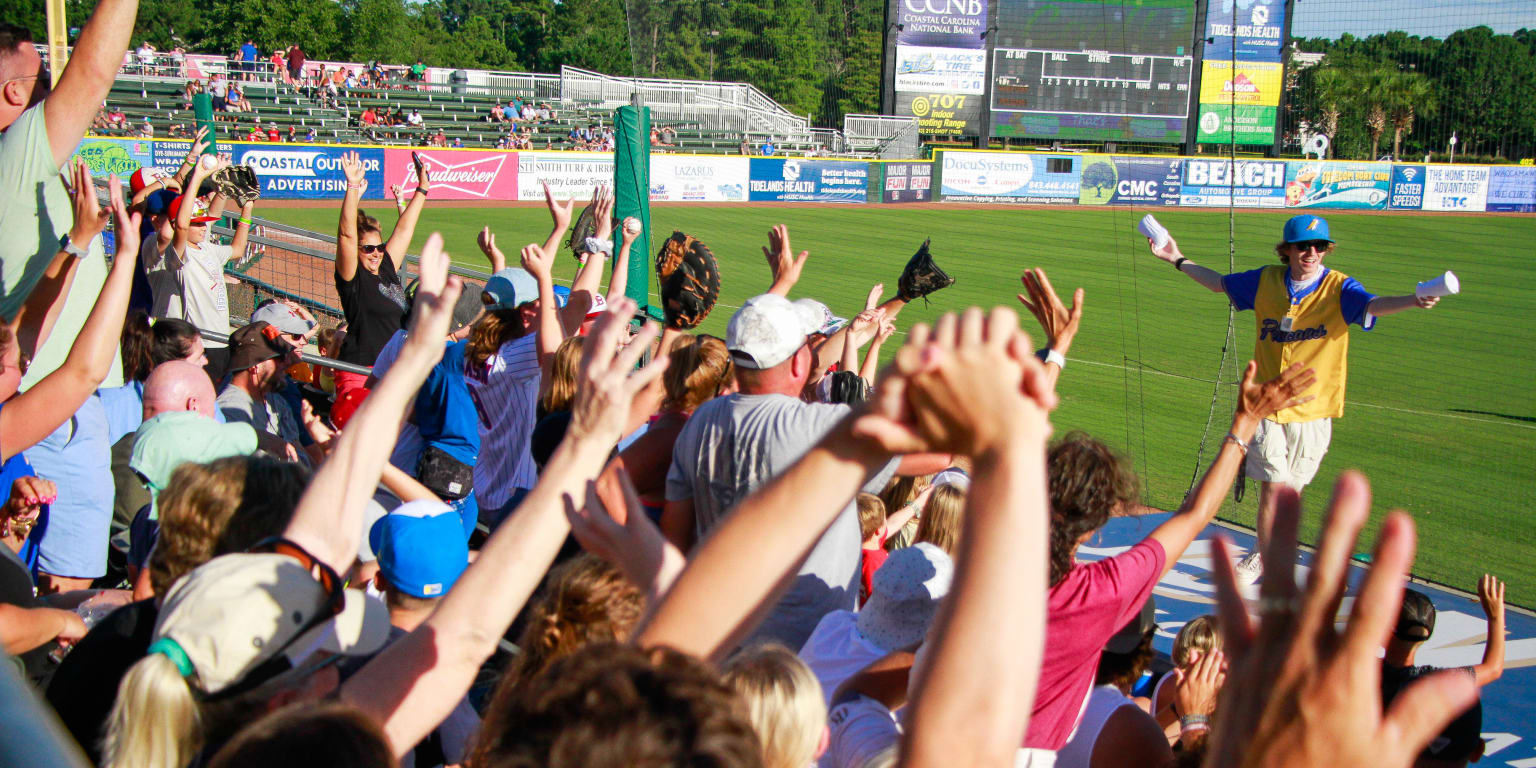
(70,248)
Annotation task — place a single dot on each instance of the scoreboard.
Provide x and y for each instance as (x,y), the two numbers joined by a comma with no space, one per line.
(1091,83)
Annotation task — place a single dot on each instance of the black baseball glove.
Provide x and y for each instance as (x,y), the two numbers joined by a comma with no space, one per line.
(921,276)
(689,278)
(584,227)
(238,183)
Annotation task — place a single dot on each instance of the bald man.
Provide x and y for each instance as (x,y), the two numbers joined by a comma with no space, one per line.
(175,385)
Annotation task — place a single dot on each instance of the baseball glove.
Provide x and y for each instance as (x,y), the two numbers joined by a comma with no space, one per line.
(921,276)
(584,227)
(689,278)
(238,183)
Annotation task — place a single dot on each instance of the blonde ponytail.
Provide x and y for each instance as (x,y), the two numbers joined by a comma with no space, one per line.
(155,721)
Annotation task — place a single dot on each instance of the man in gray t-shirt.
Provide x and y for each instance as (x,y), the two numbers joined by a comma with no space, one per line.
(732,446)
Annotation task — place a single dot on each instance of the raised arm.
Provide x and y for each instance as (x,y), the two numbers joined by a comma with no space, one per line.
(861,329)
(329,516)
(346,225)
(589,276)
(1490,592)
(1391,305)
(1059,323)
(872,358)
(242,231)
(203,170)
(93,65)
(618,281)
(41,311)
(560,218)
(782,261)
(541,263)
(612,524)
(1170,253)
(32,415)
(405,228)
(1255,402)
(414,683)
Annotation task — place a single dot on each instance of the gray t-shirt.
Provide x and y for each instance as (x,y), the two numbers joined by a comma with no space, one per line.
(734,445)
(270,414)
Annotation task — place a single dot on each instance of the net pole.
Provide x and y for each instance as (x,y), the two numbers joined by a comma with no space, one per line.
(632,186)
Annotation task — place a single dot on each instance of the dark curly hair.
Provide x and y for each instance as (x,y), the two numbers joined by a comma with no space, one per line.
(610,705)
(1089,481)
(172,340)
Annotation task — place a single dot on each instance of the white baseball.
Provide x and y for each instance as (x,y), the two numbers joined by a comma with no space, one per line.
(209,162)
(632,225)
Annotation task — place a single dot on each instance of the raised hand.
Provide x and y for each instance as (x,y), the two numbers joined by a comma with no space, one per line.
(630,235)
(1303,693)
(487,242)
(537,262)
(559,210)
(602,214)
(873,299)
(608,382)
(782,261)
(1059,323)
(200,144)
(126,225)
(1490,592)
(1197,685)
(865,325)
(612,525)
(1169,252)
(352,168)
(90,217)
(1261,400)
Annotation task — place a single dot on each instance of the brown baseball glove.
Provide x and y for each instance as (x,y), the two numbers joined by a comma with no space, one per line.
(689,278)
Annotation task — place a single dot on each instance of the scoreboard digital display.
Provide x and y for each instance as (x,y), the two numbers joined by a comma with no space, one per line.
(1093,70)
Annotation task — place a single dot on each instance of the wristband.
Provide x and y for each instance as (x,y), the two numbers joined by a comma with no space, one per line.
(1178,263)
(246,221)
(1193,721)
(1052,356)
(1235,440)
(351,185)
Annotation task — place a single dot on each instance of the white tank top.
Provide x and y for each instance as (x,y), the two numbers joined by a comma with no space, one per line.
(1103,701)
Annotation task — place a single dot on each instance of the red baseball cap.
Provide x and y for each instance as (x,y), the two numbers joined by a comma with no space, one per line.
(199,211)
(144,177)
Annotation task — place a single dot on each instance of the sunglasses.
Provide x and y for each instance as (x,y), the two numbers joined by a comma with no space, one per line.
(372,249)
(1312,245)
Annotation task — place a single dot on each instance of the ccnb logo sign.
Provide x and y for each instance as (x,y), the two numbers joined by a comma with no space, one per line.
(106,157)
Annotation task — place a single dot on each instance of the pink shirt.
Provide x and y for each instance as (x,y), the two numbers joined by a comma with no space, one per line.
(1089,606)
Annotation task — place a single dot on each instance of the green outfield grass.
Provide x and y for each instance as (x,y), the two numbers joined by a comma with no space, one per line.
(1441,404)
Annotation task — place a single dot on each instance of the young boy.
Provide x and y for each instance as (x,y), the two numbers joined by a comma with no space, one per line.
(876,528)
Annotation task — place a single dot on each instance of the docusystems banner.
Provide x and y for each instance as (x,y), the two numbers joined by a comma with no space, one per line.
(1455,188)
(569,174)
(1003,177)
(1110,180)
(1407,188)
(105,157)
(1512,189)
(1245,183)
(792,180)
(307,171)
(907,182)
(699,178)
(456,174)
(1349,186)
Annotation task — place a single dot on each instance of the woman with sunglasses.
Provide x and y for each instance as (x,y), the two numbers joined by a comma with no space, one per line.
(1303,311)
(367,271)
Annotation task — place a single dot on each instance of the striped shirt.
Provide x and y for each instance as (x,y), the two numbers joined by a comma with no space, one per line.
(506,391)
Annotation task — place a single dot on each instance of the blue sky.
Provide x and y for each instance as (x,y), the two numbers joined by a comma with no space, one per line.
(1425,18)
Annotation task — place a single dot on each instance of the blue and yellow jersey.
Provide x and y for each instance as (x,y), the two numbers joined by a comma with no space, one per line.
(1310,326)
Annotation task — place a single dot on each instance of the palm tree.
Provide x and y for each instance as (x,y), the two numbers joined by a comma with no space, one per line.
(1378,91)
(1413,95)
(1333,85)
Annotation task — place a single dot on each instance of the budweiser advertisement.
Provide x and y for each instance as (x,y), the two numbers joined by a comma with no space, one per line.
(456,174)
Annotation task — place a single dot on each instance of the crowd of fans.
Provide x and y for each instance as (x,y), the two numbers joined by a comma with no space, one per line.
(740,551)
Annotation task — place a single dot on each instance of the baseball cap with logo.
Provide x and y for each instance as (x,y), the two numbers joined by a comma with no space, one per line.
(905,596)
(421,548)
(509,289)
(158,202)
(199,211)
(255,343)
(239,620)
(826,322)
(144,177)
(769,329)
(282,317)
(1300,229)
(1416,619)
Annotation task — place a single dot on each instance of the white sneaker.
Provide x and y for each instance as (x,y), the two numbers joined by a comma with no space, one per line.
(1249,569)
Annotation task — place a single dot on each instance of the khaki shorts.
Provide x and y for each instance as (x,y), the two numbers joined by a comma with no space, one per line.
(1288,453)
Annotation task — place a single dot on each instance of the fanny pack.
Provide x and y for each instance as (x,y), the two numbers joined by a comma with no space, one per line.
(444,475)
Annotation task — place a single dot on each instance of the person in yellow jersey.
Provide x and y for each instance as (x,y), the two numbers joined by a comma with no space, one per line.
(1303,310)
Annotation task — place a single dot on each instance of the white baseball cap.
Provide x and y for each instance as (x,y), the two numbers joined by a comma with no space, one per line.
(769,329)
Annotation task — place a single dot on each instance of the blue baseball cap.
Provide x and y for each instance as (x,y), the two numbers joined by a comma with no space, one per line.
(158,202)
(509,289)
(421,548)
(1300,229)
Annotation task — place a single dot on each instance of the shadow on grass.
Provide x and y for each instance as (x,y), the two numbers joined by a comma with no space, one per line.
(1526,419)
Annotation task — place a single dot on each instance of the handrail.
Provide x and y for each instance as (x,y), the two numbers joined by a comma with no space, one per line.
(324,362)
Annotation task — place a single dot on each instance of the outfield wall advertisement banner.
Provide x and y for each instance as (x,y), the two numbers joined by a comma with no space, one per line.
(945,23)
(1512,189)
(105,157)
(1407,191)
(1240,98)
(1108,180)
(694,178)
(792,180)
(458,175)
(307,171)
(1251,124)
(940,63)
(1245,183)
(907,182)
(1455,188)
(1347,186)
(1000,177)
(1246,30)
(569,174)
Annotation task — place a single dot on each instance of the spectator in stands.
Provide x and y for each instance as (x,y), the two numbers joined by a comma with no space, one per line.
(256,133)
(668,136)
(419,71)
(767,149)
(458,142)
(293,134)
(1112,732)
(258,360)
(192,88)
(296,63)
(497,114)
(248,57)
(310,135)
(746,147)
(369,118)
(367,278)
(279,65)
(146,56)
(415,120)
(218,90)
(272,133)
(146,129)
(439,139)
(117,120)
(177,131)
(349,82)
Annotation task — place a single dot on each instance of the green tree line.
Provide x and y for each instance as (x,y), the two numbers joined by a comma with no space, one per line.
(816,57)
(1406,95)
